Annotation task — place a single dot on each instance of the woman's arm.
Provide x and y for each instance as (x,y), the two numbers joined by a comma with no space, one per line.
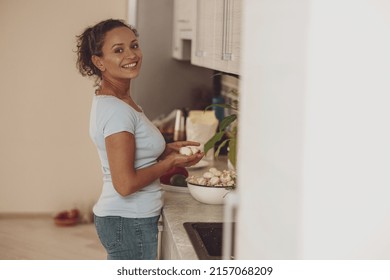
(121,156)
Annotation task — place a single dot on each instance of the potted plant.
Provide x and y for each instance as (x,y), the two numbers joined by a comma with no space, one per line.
(228,128)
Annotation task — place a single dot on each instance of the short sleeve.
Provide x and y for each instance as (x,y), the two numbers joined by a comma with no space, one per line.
(118,117)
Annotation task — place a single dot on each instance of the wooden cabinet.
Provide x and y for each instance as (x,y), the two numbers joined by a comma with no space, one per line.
(216,35)
(183,25)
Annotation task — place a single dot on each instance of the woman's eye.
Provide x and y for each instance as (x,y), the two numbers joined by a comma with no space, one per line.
(135,46)
(118,50)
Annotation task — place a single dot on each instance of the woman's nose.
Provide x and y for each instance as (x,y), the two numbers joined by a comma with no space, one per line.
(130,53)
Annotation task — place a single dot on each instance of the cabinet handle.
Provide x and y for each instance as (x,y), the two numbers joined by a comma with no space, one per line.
(227,30)
(231,204)
(198,51)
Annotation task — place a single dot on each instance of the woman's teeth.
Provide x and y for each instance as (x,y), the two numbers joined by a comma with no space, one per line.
(131,65)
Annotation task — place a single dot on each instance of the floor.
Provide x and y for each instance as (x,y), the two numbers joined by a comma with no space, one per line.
(38,238)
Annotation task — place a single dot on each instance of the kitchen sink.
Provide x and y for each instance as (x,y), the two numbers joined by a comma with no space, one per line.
(206,239)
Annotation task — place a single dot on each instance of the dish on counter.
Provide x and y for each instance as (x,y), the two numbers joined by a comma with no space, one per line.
(174,180)
(213,186)
(175,176)
(208,194)
(201,164)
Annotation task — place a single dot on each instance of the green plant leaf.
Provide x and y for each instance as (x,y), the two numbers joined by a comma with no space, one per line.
(220,146)
(233,151)
(212,141)
(227,121)
(232,133)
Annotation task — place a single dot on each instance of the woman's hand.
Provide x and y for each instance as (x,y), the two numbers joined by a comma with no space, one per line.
(171,153)
(179,160)
(174,147)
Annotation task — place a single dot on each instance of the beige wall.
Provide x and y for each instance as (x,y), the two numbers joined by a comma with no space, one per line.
(47,161)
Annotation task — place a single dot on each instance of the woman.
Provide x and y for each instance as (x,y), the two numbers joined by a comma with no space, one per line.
(132,151)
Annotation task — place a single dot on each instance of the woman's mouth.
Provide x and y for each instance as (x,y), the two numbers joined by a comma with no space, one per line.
(130,65)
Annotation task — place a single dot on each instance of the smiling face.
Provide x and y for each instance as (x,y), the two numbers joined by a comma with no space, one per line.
(122,57)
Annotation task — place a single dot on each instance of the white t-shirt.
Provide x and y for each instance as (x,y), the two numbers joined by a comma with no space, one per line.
(111,115)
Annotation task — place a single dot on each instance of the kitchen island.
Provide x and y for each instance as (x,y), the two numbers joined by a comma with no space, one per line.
(181,207)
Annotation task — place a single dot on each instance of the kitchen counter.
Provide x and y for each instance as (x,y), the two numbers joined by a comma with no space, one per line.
(180,208)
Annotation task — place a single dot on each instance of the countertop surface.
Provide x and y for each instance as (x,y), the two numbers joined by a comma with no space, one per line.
(182,207)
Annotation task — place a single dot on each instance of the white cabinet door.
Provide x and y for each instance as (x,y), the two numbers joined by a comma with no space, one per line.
(216,41)
(231,36)
(183,22)
(202,50)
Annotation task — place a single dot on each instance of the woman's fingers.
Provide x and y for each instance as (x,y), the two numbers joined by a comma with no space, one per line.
(194,159)
(175,146)
(188,143)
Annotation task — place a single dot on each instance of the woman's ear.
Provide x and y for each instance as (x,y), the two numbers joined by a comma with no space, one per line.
(96,60)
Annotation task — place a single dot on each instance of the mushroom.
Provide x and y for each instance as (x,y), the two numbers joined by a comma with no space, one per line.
(208,175)
(185,151)
(189,150)
(194,149)
(201,181)
(214,181)
(215,171)
(225,177)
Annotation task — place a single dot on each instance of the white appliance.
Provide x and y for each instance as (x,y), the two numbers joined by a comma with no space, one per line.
(314,130)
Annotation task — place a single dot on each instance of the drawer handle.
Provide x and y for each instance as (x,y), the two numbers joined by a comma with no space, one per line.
(231,205)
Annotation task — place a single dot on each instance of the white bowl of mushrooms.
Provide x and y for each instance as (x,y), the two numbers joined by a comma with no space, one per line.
(213,186)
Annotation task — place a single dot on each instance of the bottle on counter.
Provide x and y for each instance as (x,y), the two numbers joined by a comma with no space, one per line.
(179,133)
(219,111)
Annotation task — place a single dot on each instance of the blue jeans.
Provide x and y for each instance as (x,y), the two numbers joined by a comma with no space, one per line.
(128,238)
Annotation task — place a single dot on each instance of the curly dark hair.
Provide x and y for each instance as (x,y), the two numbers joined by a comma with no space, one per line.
(90,43)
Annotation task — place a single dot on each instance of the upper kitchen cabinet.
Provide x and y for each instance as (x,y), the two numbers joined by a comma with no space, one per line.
(216,35)
(183,25)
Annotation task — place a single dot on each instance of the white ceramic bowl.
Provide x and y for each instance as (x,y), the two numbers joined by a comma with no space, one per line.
(208,195)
